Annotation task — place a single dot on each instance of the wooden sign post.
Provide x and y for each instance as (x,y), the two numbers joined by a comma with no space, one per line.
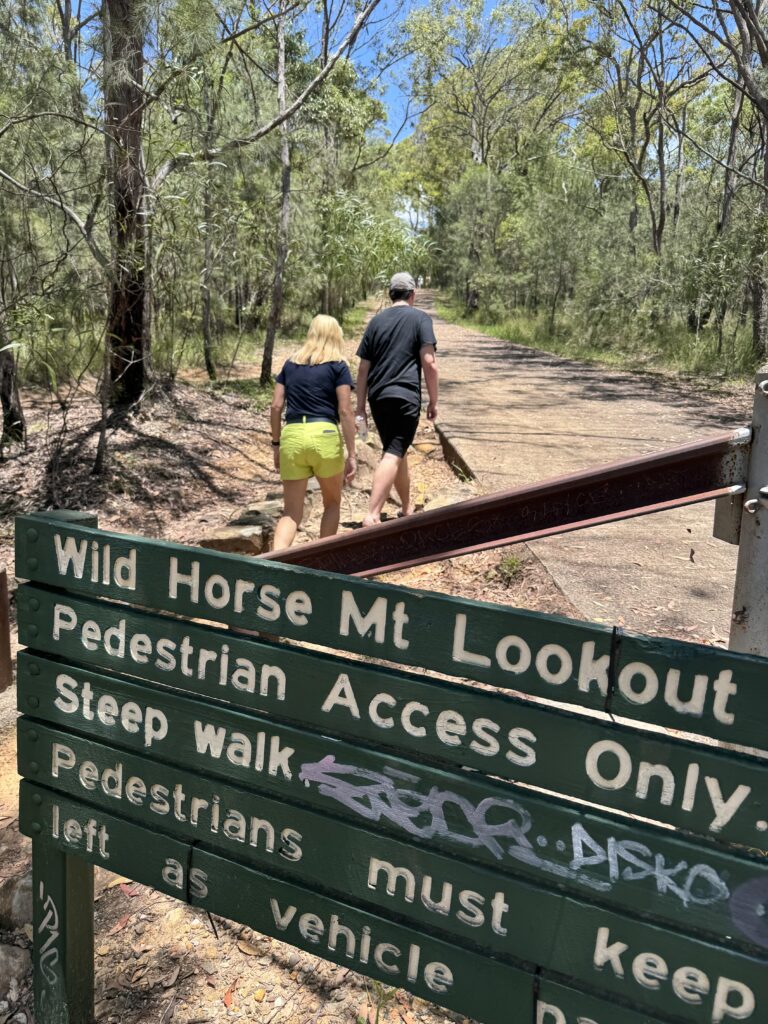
(530,849)
(6,669)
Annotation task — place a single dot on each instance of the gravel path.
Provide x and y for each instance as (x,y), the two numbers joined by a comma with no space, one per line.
(518,416)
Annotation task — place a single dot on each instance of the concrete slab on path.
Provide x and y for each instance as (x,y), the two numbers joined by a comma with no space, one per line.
(519,416)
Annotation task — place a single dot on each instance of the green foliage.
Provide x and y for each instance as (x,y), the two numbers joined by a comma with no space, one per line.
(564,183)
(509,569)
(381,998)
(258,395)
(569,172)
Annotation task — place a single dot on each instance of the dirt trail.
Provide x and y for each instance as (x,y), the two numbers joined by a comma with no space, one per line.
(518,415)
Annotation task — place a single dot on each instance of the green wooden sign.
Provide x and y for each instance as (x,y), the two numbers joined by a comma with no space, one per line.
(492,853)
(690,787)
(712,893)
(598,859)
(667,780)
(689,981)
(683,686)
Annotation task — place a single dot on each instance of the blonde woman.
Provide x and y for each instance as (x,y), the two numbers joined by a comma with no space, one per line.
(316,387)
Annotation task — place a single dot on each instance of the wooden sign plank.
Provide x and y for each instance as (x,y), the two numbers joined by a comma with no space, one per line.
(659,972)
(558,1004)
(385,950)
(719,795)
(473,727)
(681,686)
(720,896)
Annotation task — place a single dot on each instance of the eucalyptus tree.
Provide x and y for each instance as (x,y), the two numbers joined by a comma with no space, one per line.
(497,101)
(135,79)
(650,70)
(732,35)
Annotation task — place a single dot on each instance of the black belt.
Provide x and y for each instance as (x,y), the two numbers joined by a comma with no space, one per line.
(310,419)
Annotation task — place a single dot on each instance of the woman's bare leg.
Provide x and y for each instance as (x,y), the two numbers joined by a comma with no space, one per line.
(330,488)
(293,510)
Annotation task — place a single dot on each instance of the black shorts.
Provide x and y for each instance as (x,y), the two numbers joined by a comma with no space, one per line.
(396,420)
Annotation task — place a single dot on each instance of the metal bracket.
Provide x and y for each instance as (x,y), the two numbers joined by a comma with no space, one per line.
(728,511)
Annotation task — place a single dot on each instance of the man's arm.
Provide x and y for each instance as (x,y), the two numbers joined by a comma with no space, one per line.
(429,365)
(361,387)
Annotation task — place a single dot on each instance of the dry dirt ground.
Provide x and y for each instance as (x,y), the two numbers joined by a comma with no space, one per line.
(183,466)
(519,416)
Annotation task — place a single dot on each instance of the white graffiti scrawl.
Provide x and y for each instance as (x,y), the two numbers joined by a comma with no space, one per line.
(49,931)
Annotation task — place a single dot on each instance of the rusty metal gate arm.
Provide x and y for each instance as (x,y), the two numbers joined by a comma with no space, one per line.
(691,473)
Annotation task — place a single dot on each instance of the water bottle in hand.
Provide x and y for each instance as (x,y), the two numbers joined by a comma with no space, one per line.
(362,428)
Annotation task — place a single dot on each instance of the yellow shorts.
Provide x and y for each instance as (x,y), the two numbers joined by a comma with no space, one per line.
(310,449)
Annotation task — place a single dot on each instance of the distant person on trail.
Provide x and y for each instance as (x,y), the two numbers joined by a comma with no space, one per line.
(316,385)
(398,343)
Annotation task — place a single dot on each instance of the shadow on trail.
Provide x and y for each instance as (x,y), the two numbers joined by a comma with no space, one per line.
(588,382)
(149,468)
(585,381)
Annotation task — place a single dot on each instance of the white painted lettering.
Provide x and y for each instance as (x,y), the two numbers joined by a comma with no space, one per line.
(298,607)
(524,656)
(740,1007)
(555,676)
(177,579)
(342,695)
(459,652)
(592,669)
(724,809)
(70,554)
(624,767)
(63,618)
(375,620)
(650,683)
(605,954)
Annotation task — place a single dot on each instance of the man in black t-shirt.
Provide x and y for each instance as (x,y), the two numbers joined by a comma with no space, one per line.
(397,345)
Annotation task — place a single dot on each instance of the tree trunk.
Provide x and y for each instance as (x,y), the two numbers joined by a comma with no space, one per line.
(760,268)
(127,329)
(276,307)
(14,425)
(205,281)
(680,170)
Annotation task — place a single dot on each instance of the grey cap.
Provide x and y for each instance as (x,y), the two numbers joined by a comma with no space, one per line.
(402,282)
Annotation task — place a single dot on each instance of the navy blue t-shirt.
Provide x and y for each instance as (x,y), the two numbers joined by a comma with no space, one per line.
(311,390)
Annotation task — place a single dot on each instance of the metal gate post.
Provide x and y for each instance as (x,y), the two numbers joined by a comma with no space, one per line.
(749,621)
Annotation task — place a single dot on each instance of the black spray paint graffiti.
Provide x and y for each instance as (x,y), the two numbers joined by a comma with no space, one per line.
(503,827)
(48,952)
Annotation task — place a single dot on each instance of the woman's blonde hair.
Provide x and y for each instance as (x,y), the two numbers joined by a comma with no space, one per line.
(324,344)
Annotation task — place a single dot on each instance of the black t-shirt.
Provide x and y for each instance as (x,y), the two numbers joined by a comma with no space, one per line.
(392,343)
(311,390)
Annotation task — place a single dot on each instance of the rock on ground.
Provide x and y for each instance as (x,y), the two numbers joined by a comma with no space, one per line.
(16,902)
(14,965)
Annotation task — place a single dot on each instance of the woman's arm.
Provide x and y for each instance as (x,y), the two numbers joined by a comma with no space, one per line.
(276,420)
(347,420)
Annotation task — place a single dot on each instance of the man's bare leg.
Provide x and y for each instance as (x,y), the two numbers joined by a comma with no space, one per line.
(383,481)
(403,486)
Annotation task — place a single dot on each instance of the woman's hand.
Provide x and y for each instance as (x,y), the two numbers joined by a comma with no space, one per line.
(350,468)
(276,457)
